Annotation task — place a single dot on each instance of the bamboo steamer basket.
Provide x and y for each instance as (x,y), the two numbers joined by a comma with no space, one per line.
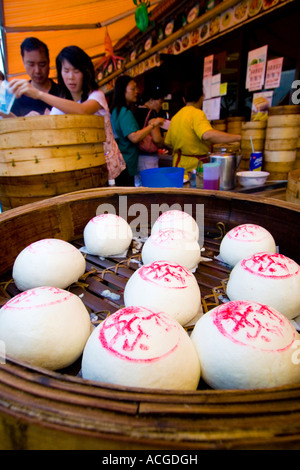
(42,410)
(282,135)
(219,124)
(293,187)
(255,130)
(234,124)
(297,161)
(45,156)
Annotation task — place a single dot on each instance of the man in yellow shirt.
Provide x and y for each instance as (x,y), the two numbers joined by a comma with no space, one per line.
(190,133)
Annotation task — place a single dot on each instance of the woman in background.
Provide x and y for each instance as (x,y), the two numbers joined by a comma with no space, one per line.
(127,130)
(152,99)
(80,95)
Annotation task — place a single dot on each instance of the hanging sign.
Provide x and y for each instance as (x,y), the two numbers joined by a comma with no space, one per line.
(261,103)
(273,74)
(208,66)
(212,108)
(257,59)
(215,85)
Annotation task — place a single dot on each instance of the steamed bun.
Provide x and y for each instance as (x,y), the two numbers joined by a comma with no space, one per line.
(176,219)
(45,326)
(136,347)
(246,345)
(172,245)
(245,240)
(107,235)
(269,278)
(167,287)
(48,262)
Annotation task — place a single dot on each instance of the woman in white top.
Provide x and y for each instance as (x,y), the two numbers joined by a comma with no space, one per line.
(80,95)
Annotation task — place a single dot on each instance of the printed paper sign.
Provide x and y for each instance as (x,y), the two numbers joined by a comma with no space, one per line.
(212,108)
(207,87)
(273,75)
(223,89)
(208,66)
(215,85)
(261,103)
(257,59)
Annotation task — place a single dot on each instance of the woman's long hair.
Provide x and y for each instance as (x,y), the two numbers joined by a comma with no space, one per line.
(118,99)
(81,61)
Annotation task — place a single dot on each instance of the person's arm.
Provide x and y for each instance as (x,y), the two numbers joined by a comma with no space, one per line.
(20,87)
(139,135)
(157,137)
(5,116)
(218,137)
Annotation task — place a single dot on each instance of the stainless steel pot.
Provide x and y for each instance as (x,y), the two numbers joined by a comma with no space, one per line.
(229,159)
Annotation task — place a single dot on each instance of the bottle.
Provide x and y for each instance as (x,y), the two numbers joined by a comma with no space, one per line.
(199,175)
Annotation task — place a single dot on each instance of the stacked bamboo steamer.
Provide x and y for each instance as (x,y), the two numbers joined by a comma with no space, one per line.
(45,156)
(219,124)
(281,141)
(297,161)
(293,187)
(47,144)
(234,124)
(253,132)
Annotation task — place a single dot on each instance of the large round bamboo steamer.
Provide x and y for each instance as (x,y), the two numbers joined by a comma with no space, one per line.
(297,161)
(61,121)
(37,161)
(293,187)
(234,124)
(284,120)
(254,125)
(42,409)
(51,137)
(19,190)
(282,135)
(219,124)
(279,163)
(45,156)
(279,133)
(284,110)
(258,145)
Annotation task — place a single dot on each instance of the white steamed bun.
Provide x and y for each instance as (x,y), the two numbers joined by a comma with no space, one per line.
(245,240)
(167,287)
(246,345)
(45,326)
(48,262)
(107,235)
(269,278)
(136,347)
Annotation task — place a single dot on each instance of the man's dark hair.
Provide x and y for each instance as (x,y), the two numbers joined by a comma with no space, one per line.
(153,92)
(33,44)
(192,91)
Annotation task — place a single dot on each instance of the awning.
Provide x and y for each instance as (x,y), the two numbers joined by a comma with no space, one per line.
(63,23)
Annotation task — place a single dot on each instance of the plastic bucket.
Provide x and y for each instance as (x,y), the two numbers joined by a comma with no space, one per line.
(165,177)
